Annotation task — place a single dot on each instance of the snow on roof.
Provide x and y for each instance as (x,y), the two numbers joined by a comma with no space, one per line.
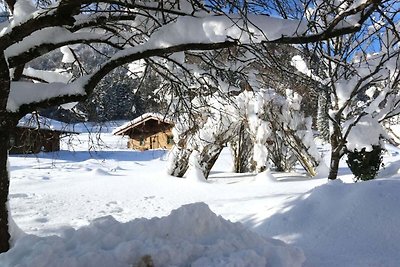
(145,117)
(32,121)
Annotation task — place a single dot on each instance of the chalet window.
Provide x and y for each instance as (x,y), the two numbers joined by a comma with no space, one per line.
(141,142)
(170,140)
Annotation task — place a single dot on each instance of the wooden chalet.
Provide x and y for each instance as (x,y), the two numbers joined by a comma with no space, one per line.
(36,134)
(149,131)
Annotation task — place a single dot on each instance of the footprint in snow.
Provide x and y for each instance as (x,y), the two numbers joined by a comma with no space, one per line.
(114,208)
(19,195)
(99,172)
(117,210)
(42,220)
(111,203)
(118,168)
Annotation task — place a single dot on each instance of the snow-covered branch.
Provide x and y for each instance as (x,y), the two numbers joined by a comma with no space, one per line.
(30,48)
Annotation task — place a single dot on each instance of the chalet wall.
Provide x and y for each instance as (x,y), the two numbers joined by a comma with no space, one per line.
(148,132)
(161,140)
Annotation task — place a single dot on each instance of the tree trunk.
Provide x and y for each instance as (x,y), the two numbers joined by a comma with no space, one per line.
(322,116)
(336,153)
(208,157)
(179,161)
(4,190)
(280,154)
(301,151)
(7,124)
(334,165)
(242,150)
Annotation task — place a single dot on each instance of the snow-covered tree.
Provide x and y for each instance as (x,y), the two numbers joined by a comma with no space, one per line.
(260,125)
(138,30)
(279,130)
(359,83)
(202,135)
(186,126)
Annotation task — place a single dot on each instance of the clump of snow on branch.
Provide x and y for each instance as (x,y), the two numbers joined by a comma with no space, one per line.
(366,133)
(217,29)
(23,10)
(222,28)
(68,57)
(300,65)
(22,93)
(137,68)
(56,76)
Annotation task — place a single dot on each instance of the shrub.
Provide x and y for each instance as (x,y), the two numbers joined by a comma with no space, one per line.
(365,164)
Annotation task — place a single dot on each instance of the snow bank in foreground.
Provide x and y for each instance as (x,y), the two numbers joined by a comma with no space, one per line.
(190,236)
(340,224)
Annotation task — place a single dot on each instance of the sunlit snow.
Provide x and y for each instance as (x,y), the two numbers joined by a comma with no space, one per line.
(101,206)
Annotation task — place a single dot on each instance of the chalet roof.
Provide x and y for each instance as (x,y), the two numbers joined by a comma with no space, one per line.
(31,121)
(139,120)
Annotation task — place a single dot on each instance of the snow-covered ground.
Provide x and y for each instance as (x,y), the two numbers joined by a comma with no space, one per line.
(97,208)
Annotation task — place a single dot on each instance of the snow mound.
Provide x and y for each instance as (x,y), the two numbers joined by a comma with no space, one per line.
(190,236)
(357,222)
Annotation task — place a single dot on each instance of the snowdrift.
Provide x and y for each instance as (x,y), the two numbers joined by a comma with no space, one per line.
(340,224)
(190,236)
